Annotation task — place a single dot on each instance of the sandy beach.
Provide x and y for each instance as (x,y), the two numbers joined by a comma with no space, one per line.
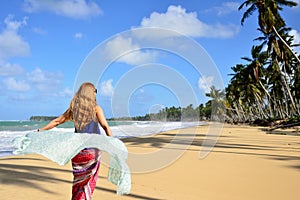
(246,163)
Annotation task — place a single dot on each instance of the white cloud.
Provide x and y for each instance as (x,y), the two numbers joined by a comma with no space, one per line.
(13,84)
(225,8)
(205,82)
(106,88)
(127,49)
(141,96)
(11,43)
(45,82)
(7,69)
(78,35)
(15,78)
(20,97)
(296,35)
(138,57)
(67,92)
(76,9)
(178,19)
(116,48)
(14,25)
(228,7)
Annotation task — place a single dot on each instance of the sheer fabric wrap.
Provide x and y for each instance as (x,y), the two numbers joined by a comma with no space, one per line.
(61,147)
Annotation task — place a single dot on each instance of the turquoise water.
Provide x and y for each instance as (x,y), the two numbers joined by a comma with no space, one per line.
(33,125)
(25,125)
(120,129)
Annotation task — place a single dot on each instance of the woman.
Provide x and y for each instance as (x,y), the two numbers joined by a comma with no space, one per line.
(85,113)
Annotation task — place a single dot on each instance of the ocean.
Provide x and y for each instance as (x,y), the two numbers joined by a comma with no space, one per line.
(120,129)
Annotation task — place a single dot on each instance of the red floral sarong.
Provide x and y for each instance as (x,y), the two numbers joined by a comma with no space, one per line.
(85,170)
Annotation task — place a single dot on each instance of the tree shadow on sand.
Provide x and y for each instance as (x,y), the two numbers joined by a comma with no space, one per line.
(29,176)
(195,142)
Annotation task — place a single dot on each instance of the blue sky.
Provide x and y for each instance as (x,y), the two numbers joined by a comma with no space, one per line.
(46,46)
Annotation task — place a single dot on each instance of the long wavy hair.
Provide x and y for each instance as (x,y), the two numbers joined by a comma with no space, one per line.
(82,106)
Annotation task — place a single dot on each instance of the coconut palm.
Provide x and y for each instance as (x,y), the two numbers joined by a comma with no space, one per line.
(269,19)
(282,64)
(217,103)
(246,90)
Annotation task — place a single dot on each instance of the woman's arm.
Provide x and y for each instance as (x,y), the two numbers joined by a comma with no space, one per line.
(102,120)
(55,122)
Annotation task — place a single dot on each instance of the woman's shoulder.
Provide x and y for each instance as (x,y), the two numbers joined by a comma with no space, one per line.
(98,108)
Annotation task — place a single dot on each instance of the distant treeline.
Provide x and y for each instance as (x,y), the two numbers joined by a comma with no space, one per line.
(188,113)
(173,113)
(41,118)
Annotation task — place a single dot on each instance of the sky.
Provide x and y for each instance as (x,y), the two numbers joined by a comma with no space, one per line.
(142,55)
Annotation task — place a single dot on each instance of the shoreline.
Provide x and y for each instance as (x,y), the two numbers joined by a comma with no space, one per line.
(246,163)
(121,130)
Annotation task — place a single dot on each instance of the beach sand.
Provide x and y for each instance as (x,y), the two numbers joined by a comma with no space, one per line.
(246,163)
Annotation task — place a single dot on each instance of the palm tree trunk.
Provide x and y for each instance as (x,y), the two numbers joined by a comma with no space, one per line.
(243,117)
(278,109)
(294,54)
(282,75)
(289,91)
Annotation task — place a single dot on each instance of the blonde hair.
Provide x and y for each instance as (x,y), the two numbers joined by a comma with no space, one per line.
(82,106)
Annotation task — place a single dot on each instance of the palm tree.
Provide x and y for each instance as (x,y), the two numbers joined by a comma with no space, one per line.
(217,103)
(269,19)
(246,93)
(255,67)
(282,63)
(200,110)
(254,73)
(235,93)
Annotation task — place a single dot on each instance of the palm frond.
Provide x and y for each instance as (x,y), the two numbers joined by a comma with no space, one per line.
(248,13)
(246,3)
(287,3)
(260,38)
(246,58)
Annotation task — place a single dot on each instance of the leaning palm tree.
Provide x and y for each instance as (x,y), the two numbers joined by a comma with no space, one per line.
(274,30)
(246,92)
(269,19)
(256,80)
(236,92)
(255,68)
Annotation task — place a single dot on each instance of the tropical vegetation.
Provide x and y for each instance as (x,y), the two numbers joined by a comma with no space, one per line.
(42,118)
(212,110)
(267,87)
